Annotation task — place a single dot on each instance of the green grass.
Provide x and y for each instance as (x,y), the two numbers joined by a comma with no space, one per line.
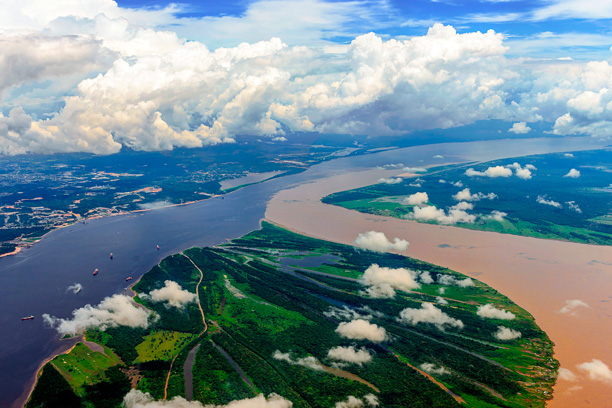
(82,366)
(161,345)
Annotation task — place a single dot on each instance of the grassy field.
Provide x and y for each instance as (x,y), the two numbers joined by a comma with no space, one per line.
(162,345)
(82,366)
(545,203)
(272,326)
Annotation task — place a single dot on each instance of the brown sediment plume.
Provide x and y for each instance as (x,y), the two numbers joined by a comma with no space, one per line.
(539,275)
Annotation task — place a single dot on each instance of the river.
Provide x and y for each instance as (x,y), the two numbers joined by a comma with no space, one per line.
(35,281)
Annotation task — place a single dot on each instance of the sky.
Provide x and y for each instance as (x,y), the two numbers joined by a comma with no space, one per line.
(98,76)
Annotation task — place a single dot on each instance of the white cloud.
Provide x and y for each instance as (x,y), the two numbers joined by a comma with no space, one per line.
(350,354)
(450,280)
(138,399)
(573,173)
(520,128)
(571,306)
(466,195)
(438,156)
(362,330)
(495,216)
(419,199)
(431,368)
(369,400)
(117,310)
(392,180)
(383,281)
(76,288)
(545,201)
(454,214)
(428,313)
(505,334)
(308,362)
(441,300)
(415,169)
(492,172)
(491,312)
(377,241)
(347,313)
(425,277)
(391,166)
(569,155)
(566,375)
(597,370)
(172,293)
(573,206)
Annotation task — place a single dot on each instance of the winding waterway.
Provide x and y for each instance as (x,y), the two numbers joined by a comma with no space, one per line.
(35,281)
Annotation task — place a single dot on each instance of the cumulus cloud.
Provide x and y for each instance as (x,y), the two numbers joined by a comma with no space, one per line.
(172,293)
(492,172)
(454,214)
(569,155)
(76,288)
(347,313)
(308,362)
(350,354)
(362,330)
(545,201)
(450,280)
(571,306)
(573,173)
(520,128)
(117,310)
(428,313)
(441,300)
(391,180)
(139,399)
(378,242)
(505,333)
(573,206)
(495,216)
(425,277)
(491,312)
(415,169)
(418,199)
(466,195)
(369,400)
(391,166)
(433,369)
(383,281)
(566,375)
(597,370)
(438,156)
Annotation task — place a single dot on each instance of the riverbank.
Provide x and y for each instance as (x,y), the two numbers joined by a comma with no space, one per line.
(539,275)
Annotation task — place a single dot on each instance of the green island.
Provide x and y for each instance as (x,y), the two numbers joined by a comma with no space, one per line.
(547,202)
(276,306)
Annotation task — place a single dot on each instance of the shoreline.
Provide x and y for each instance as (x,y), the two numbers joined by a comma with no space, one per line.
(539,275)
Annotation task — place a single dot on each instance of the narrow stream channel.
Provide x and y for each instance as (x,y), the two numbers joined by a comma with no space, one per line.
(188,372)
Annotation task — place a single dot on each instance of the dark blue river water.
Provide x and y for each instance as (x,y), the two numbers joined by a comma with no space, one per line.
(34,281)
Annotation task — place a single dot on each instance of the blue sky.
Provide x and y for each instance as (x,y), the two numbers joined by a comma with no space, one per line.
(539,28)
(96,75)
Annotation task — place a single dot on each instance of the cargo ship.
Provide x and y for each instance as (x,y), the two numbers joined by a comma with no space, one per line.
(27,318)
(95,272)
(129,278)
(158,247)
(111,255)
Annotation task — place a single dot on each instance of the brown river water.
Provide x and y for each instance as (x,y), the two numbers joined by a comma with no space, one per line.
(539,275)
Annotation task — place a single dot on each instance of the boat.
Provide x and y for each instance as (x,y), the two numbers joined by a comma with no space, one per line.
(158,247)
(78,290)
(128,278)
(27,318)
(111,255)
(95,272)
